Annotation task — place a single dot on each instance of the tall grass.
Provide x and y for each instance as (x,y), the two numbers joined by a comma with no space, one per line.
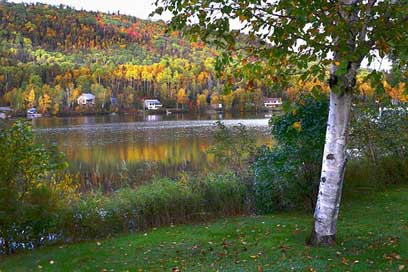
(162,202)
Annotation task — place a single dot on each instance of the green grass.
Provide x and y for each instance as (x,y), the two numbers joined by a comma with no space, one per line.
(372,236)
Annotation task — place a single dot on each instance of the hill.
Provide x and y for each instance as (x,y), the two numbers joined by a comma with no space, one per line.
(50,55)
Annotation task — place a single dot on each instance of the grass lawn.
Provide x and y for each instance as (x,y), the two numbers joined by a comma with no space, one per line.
(372,236)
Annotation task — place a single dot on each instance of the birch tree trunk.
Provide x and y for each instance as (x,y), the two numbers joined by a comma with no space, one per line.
(333,168)
(334,156)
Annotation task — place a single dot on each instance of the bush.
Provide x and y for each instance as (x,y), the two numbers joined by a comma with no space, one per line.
(31,183)
(38,203)
(223,194)
(235,150)
(378,147)
(287,175)
(162,202)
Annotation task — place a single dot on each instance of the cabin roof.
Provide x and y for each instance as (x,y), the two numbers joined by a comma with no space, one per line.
(272,99)
(87,96)
(5,109)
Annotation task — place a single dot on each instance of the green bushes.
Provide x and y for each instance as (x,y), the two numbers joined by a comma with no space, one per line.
(287,175)
(162,202)
(378,147)
(32,186)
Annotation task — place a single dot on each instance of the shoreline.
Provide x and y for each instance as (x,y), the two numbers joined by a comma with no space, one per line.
(167,111)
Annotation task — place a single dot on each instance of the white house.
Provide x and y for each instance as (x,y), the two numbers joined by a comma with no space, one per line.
(5,112)
(32,113)
(86,99)
(217,106)
(152,104)
(272,102)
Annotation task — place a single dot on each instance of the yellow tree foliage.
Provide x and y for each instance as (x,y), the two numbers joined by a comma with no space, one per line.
(227,101)
(243,97)
(215,98)
(202,77)
(258,96)
(30,98)
(398,92)
(309,86)
(181,96)
(366,89)
(44,103)
(201,101)
(55,108)
(74,95)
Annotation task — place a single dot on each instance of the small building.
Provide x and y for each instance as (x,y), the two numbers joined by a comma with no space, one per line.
(32,113)
(272,102)
(152,104)
(113,100)
(5,112)
(217,106)
(86,99)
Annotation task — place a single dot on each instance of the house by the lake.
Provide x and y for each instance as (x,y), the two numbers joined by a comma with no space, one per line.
(86,99)
(216,106)
(272,102)
(5,112)
(32,113)
(152,104)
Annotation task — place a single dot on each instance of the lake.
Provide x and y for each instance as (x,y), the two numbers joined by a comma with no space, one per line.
(110,151)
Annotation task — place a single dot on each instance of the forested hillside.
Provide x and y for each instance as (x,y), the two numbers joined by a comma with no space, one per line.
(50,55)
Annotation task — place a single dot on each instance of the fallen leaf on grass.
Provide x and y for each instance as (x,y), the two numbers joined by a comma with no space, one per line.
(344,261)
(297,231)
(392,256)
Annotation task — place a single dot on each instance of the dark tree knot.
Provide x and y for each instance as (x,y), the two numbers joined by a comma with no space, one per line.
(333,80)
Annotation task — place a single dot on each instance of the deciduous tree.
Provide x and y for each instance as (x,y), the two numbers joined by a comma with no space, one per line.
(306,37)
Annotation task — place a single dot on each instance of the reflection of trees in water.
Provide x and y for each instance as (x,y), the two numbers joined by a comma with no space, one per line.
(170,152)
(122,175)
(107,158)
(131,163)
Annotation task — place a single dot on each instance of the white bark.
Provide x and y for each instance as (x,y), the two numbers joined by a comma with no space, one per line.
(334,156)
(334,162)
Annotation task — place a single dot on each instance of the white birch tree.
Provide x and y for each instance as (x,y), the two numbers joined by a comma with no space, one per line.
(306,36)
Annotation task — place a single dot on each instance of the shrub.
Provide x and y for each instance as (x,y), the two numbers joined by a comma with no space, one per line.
(378,147)
(287,175)
(224,194)
(162,202)
(31,183)
(235,150)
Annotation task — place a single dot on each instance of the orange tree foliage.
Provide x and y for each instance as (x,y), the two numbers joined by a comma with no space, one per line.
(50,55)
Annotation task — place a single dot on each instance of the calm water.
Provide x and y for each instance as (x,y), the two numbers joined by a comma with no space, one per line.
(107,151)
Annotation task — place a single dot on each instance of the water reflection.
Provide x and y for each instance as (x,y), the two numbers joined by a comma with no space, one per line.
(111,150)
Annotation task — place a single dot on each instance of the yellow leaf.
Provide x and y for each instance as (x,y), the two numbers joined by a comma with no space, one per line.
(297,125)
